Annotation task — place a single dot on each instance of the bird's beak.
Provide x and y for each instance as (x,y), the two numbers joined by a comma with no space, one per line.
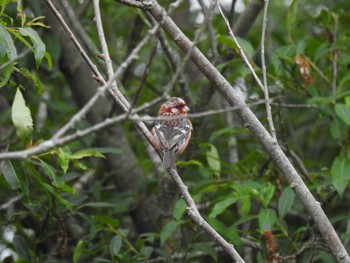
(185,109)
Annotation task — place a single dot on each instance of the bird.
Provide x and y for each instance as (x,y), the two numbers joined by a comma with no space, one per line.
(172,136)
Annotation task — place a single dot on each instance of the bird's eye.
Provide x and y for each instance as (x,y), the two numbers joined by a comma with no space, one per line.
(181,105)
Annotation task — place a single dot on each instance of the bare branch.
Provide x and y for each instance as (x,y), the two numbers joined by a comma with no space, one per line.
(98,76)
(208,16)
(335,57)
(241,51)
(263,65)
(196,217)
(77,27)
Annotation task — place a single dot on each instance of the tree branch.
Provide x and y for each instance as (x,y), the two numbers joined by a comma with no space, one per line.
(196,217)
(263,66)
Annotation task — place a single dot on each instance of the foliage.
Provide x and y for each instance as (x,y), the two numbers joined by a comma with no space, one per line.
(64,205)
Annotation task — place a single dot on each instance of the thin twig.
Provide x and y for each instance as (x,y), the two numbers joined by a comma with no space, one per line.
(98,76)
(249,65)
(295,106)
(263,65)
(106,57)
(241,51)
(144,74)
(101,91)
(213,43)
(196,217)
(77,27)
(335,58)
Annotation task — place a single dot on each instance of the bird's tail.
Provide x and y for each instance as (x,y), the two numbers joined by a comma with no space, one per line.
(168,159)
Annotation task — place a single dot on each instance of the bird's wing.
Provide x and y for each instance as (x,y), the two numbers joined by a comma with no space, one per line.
(170,135)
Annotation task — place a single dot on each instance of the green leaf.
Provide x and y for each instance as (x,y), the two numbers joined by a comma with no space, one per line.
(168,230)
(33,77)
(49,59)
(7,43)
(63,160)
(10,175)
(291,15)
(343,113)
(53,192)
(15,176)
(347,101)
(245,45)
(213,159)
(338,129)
(181,163)
(340,174)
(78,251)
(285,201)
(233,236)
(218,226)
(21,247)
(329,99)
(99,204)
(179,209)
(243,194)
(115,245)
(51,172)
(222,206)
(266,191)
(147,251)
(267,218)
(108,220)
(164,254)
(21,117)
(104,150)
(85,153)
(207,248)
(225,132)
(244,219)
(7,71)
(3,4)
(39,45)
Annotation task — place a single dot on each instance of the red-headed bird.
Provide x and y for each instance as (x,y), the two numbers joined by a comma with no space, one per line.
(172,136)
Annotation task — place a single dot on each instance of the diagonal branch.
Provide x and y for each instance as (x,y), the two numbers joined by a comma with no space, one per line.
(196,217)
(263,65)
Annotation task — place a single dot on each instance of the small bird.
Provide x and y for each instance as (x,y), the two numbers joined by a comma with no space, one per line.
(172,136)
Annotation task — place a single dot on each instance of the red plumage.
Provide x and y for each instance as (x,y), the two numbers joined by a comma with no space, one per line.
(172,136)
